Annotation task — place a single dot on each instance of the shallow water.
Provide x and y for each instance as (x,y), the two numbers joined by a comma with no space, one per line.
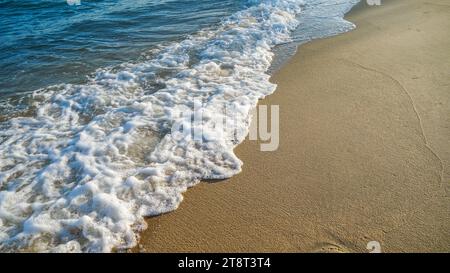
(45,42)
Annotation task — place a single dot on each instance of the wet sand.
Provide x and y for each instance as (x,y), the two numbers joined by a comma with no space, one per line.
(364,149)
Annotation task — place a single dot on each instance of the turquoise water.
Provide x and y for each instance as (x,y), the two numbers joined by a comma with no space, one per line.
(46,42)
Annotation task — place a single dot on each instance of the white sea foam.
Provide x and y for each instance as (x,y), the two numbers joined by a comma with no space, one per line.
(83,170)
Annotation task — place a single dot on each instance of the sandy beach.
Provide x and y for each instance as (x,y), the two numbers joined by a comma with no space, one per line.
(364,149)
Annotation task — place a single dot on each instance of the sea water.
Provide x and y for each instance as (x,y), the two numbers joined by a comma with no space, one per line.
(92,96)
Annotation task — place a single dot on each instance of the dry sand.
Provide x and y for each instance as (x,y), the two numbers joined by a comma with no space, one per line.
(364,149)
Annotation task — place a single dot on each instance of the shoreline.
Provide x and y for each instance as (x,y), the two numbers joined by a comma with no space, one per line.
(363,137)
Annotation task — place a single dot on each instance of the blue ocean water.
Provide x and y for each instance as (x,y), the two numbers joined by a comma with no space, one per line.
(46,42)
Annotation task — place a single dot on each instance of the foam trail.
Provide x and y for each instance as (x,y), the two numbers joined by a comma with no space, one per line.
(90,161)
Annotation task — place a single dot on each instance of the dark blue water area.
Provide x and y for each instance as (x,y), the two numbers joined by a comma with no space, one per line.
(47,42)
